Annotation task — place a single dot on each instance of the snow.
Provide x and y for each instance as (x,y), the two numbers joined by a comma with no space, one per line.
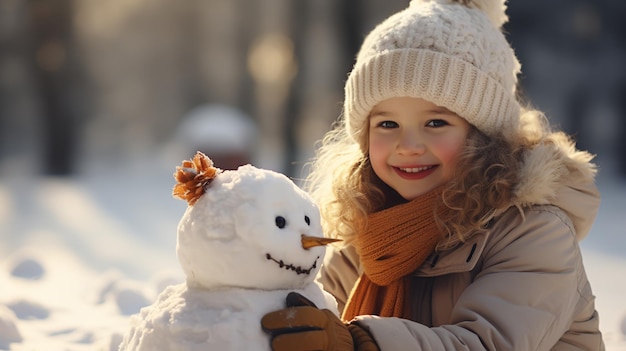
(79,256)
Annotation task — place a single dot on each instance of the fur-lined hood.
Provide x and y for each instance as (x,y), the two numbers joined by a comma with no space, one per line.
(554,172)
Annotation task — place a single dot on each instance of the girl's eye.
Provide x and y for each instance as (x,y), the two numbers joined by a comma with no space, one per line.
(388,124)
(280,221)
(437,123)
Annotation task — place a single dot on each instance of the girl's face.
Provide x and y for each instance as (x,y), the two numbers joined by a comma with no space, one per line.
(414,144)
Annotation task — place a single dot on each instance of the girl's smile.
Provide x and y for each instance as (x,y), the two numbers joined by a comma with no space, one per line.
(415,172)
(414,144)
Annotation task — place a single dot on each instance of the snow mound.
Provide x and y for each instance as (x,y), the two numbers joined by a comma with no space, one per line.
(25,309)
(27,268)
(8,328)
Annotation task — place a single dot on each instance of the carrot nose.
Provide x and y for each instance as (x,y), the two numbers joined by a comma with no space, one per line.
(312,241)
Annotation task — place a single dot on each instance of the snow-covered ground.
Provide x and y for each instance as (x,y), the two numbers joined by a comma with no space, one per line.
(79,255)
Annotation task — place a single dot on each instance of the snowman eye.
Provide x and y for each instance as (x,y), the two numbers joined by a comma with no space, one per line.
(280,221)
(307,220)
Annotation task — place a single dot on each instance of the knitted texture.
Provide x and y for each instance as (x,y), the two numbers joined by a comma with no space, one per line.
(397,241)
(451,54)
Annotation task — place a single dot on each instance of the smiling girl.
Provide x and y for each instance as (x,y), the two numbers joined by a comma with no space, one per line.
(460,210)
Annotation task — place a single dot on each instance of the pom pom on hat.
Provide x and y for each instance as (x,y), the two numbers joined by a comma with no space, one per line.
(449,52)
(494,9)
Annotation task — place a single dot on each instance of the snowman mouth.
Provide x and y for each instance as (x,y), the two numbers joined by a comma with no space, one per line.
(298,269)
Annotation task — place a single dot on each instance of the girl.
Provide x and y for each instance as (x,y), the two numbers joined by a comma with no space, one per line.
(460,210)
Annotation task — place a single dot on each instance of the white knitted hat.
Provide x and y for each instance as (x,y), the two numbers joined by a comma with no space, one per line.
(451,53)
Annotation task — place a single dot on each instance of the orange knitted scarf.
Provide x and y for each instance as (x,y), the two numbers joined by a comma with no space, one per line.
(397,241)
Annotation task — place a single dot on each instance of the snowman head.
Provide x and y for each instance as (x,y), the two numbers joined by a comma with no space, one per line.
(249,228)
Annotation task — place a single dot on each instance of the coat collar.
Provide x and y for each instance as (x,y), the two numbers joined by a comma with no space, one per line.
(554,172)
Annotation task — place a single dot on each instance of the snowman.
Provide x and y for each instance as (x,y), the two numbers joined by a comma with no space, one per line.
(248,238)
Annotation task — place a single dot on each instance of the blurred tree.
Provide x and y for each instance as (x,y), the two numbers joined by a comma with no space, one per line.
(327,35)
(57,72)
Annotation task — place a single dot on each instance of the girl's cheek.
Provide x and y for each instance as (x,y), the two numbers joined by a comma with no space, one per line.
(449,152)
(375,150)
(377,143)
(378,153)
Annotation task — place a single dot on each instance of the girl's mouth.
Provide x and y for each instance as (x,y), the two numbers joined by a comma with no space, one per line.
(415,172)
(415,169)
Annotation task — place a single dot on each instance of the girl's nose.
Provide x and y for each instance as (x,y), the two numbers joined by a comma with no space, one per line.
(411,143)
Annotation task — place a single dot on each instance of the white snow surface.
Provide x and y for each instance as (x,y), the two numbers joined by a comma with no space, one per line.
(79,256)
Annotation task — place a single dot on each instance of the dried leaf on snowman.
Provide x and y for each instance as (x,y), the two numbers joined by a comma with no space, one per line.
(248,238)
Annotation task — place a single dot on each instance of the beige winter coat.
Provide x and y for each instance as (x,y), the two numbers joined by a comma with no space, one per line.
(520,286)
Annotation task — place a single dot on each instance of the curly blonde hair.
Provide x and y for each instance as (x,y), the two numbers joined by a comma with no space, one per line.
(343,183)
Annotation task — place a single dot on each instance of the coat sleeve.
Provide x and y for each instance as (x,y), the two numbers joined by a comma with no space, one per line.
(523,298)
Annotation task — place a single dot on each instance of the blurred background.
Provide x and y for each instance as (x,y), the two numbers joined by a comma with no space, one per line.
(84,82)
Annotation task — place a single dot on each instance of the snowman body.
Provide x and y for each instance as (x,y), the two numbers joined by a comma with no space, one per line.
(185,318)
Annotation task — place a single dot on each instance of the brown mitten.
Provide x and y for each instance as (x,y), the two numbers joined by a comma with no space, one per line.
(302,326)
(362,339)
